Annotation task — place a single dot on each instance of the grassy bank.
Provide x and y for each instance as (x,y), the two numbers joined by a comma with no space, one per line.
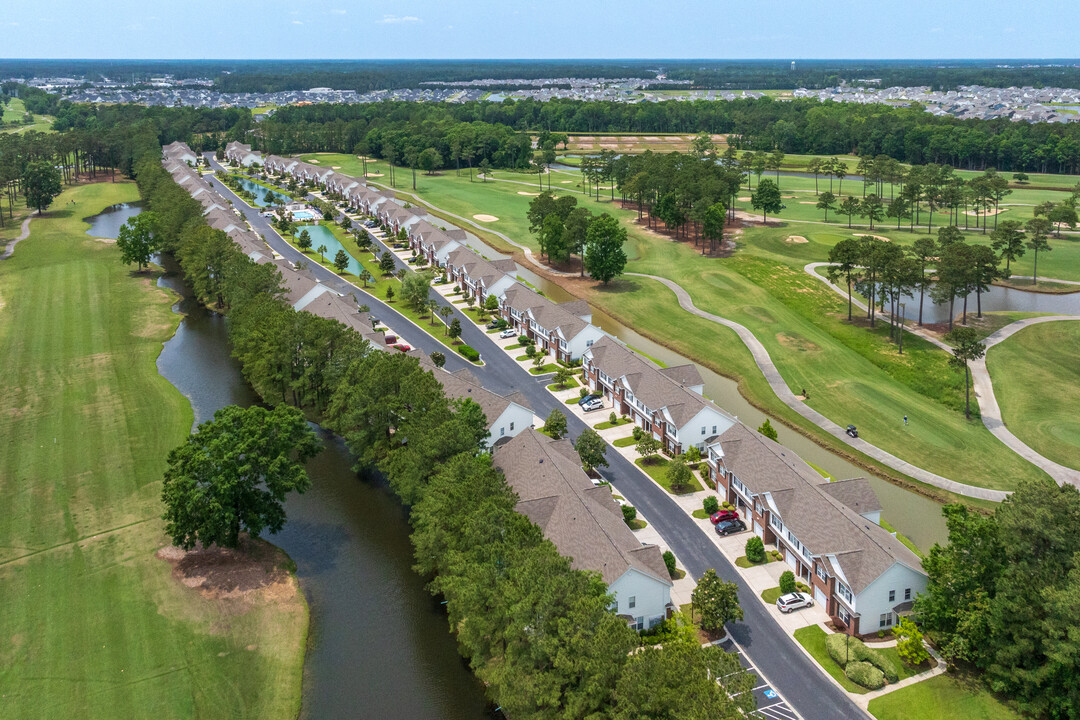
(943,696)
(95,625)
(1036,375)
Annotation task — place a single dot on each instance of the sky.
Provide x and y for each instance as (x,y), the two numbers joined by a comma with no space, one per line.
(500,29)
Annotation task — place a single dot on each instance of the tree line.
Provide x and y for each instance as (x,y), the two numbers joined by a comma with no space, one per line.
(1004,593)
(539,634)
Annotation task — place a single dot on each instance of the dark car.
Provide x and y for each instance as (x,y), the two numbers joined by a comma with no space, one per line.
(729,527)
(721,515)
(852,431)
(586,399)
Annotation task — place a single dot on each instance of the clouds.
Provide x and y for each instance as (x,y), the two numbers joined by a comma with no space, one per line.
(297,22)
(396,19)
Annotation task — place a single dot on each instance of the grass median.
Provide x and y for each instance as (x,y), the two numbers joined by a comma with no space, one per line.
(95,625)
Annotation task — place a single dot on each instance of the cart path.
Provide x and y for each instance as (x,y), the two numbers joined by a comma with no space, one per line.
(784,393)
(984,386)
(23,234)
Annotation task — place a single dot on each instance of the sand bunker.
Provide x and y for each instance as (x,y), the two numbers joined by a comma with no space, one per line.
(374,174)
(335,167)
(529,194)
(982,213)
(876,237)
(485,218)
(795,239)
(807,202)
(313,160)
(566,182)
(744,199)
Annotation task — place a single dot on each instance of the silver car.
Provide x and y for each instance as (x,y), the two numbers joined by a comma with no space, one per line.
(793,601)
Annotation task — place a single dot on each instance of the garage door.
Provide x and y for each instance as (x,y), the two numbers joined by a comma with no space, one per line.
(757,529)
(790,557)
(820,599)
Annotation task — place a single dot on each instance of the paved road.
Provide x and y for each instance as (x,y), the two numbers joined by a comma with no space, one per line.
(983,386)
(784,393)
(774,654)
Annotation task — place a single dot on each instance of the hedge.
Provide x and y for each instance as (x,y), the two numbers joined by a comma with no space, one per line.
(859,652)
(469,353)
(865,674)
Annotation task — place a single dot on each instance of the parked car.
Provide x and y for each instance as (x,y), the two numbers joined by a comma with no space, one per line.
(587,398)
(852,431)
(402,347)
(508,333)
(729,527)
(493,325)
(793,601)
(721,515)
(594,404)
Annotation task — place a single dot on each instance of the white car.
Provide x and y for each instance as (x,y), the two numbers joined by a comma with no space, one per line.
(508,333)
(594,404)
(793,601)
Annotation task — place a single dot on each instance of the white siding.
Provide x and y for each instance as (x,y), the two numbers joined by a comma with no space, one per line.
(514,414)
(690,433)
(874,601)
(651,596)
(581,342)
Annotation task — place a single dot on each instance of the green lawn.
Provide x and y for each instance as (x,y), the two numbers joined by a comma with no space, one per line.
(15,110)
(94,625)
(656,468)
(743,562)
(1036,375)
(625,442)
(942,696)
(608,424)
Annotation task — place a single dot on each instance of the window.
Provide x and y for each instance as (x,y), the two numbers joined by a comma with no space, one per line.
(885,620)
(633,601)
(844,591)
(776,523)
(511,427)
(806,553)
(844,614)
(892,596)
(821,574)
(502,431)
(588,343)
(907,593)
(702,429)
(639,623)
(713,429)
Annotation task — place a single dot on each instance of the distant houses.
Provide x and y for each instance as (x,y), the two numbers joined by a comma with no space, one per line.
(242,154)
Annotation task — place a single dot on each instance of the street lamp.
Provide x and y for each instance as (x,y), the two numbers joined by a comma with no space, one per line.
(902,328)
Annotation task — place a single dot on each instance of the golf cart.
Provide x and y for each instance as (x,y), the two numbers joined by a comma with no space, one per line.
(852,431)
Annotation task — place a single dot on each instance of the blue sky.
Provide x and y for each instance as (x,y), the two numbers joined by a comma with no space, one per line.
(399,29)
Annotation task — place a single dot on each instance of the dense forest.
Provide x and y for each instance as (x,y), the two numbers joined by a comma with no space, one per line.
(804,126)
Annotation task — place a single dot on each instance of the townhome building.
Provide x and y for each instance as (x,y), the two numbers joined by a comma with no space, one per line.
(666,402)
(828,532)
(507,415)
(586,524)
(179,151)
(242,154)
(563,330)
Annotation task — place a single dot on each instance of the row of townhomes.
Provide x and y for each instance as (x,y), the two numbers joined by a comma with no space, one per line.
(828,532)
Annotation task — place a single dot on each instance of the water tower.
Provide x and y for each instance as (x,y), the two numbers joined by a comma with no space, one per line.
(792,66)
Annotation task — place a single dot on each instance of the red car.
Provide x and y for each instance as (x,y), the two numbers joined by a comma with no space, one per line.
(722,515)
(402,347)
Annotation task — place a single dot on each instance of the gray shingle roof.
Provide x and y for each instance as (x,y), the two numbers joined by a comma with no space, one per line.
(583,521)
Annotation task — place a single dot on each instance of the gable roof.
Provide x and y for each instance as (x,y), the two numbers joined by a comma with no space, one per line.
(856,493)
(583,521)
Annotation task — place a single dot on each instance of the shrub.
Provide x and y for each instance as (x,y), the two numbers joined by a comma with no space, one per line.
(523,340)
(468,352)
(727,506)
(438,358)
(638,433)
(629,513)
(583,392)
(612,418)
(844,649)
(909,643)
(865,674)
(802,587)
(776,555)
(755,549)
(669,561)
(710,504)
(693,454)
(787,582)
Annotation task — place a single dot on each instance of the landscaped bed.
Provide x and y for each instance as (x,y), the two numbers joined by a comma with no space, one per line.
(656,468)
(608,424)
(943,696)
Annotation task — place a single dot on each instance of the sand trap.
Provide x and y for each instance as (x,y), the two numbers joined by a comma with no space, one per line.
(566,182)
(485,218)
(529,194)
(106,240)
(313,160)
(795,239)
(335,167)
(744,199)
(374,175)
(876,237)
(982,213)
(807,202)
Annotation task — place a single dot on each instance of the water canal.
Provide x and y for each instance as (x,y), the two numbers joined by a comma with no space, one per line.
(379,645)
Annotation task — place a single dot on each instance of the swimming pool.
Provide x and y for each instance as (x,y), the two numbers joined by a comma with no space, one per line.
(303,215)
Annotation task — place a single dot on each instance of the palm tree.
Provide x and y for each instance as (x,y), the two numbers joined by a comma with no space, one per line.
(433,307)
(446,311)
(365,277)
(322,252)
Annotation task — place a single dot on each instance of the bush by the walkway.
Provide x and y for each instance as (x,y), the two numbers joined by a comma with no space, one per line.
(865,674)
(844,648)
(469,353)
(755,549)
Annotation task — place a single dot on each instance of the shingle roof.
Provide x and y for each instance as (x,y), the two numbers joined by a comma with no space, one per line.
(856,493)
(583,521)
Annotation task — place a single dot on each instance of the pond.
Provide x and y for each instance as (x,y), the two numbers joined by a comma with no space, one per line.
(379,644)
(106,224)
(322,235)
(260,193)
